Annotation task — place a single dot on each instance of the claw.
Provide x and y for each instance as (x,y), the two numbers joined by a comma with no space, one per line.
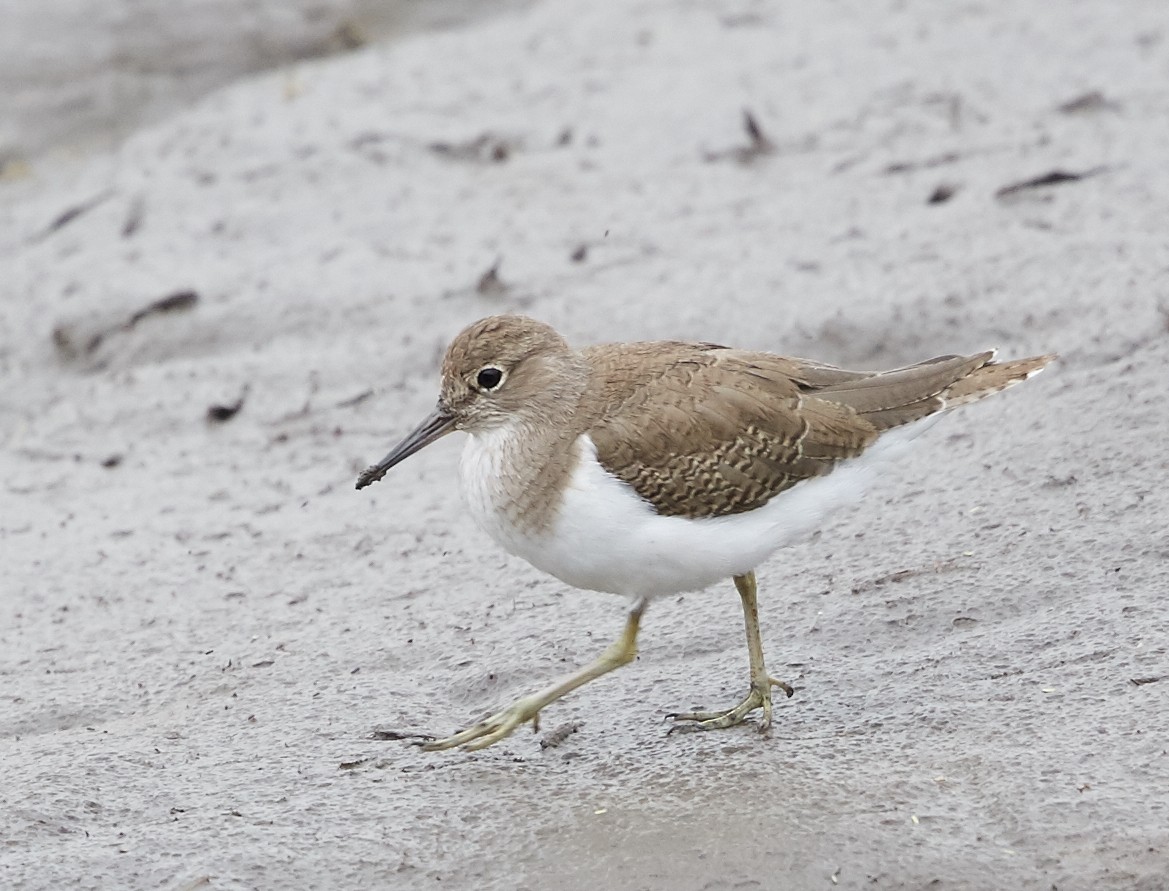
(758,697)
(491,729)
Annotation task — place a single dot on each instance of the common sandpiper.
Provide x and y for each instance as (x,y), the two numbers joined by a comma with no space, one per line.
(656,468)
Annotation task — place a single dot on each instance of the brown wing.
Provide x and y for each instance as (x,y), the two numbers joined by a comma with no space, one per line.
(701,431)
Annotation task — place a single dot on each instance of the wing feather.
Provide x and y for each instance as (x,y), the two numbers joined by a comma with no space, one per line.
(699,430)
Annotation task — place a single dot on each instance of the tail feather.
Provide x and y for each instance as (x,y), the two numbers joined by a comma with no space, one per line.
(903,386)
(992,378)
(894,398)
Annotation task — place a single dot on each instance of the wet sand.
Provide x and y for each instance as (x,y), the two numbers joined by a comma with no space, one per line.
(201,621)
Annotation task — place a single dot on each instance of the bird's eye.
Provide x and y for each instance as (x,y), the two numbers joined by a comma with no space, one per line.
(489,377)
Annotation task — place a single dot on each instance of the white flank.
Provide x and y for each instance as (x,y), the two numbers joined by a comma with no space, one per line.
(606,538)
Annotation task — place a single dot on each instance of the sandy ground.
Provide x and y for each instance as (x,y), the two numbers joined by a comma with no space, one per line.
(201,621)
(79,75)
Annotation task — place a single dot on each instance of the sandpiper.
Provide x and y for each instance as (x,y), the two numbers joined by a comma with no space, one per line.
(651,469)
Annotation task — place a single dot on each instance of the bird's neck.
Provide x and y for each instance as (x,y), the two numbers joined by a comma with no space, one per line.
(516,472)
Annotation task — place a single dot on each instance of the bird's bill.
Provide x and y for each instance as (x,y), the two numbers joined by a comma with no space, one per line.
(437,425)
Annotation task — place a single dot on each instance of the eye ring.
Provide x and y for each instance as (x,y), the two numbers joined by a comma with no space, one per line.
(489,377)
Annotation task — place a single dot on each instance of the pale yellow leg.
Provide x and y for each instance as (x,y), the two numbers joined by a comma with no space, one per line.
(761,682)
(500,725)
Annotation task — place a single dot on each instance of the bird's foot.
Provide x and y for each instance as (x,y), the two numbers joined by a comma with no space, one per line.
(503,723)
(758,697)
(492,728)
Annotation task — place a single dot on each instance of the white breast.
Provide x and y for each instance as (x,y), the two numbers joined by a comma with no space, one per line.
(482,472)
(604,537)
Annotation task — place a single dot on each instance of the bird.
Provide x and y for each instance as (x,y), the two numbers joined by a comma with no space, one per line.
(649,469)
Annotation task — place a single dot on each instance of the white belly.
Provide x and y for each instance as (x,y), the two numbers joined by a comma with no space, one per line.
(604,537)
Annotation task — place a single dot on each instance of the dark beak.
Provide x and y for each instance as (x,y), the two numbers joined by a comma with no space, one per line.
(434,427)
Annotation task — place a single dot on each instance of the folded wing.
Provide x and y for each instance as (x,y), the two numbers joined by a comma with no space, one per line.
(714,431)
